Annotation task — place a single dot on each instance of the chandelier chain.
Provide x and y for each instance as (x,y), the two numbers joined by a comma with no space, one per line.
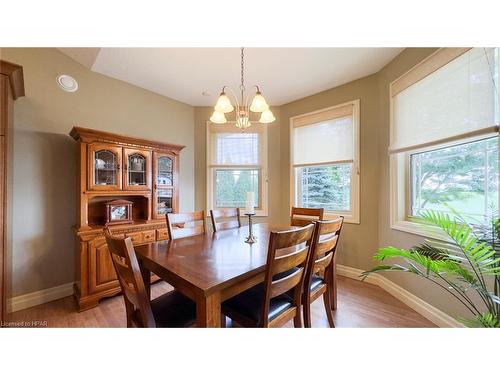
(242,67)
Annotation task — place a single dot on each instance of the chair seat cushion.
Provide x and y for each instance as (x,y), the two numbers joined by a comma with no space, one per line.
(249,304)
(316,281)
(173,310)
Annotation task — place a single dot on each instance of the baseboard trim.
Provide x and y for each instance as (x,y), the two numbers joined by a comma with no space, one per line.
(39,297)
(424,308)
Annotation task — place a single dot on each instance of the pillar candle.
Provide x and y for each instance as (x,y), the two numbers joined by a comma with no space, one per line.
(250,206)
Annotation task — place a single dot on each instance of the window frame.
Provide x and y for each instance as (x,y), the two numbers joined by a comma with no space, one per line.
(400,186)
(262,167)
(399,163)
(352,216)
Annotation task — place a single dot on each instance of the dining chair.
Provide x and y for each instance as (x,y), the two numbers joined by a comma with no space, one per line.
(267,304)
(228,218)
(177,228)
(321,262)
(301,216)
(171,309)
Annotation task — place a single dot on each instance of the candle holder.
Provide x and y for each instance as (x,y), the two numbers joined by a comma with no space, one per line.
(251,238)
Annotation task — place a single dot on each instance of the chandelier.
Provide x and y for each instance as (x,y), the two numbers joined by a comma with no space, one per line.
(242,121)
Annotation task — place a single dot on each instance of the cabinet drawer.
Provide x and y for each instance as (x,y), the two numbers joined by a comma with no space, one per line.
(161,234)
(148,236)
(136,237)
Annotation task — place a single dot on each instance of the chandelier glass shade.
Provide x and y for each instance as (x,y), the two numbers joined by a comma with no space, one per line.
(241,107)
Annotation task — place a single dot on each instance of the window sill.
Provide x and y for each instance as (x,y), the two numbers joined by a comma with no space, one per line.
(419,230)
(349,219)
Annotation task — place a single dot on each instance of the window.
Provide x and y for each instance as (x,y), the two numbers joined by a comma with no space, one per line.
(444,137)
(325,167)
(236,165)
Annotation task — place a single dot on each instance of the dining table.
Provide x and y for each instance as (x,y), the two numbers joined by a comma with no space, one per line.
(209,268)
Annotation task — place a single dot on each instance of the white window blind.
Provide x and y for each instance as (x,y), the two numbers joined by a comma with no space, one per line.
(458,99)
(230,146)
(326,138)
(236,148)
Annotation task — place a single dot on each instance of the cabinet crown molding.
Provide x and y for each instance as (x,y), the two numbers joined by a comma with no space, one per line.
(87,135)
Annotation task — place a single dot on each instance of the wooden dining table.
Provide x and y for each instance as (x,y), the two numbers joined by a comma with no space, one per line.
(209,268)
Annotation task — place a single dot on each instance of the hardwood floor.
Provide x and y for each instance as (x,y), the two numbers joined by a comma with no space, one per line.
(359,305)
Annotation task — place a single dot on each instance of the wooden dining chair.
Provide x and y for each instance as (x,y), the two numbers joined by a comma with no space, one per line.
(268,304)
(301,216)
(228,218)
(321,262)
(171,309)
(185,225)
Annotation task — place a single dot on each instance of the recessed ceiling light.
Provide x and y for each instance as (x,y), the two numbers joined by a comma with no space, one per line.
(67,83)
(205,93)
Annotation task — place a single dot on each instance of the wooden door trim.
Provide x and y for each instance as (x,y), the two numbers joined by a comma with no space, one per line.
(12,73)
(16,77)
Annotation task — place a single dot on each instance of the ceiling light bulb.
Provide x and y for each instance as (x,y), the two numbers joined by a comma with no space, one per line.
(223,104)
(259,103)
(267,117)
(218,118)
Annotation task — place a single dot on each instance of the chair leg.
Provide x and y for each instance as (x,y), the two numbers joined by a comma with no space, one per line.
(307,314)
(333,285)
(297,320)
(328,310)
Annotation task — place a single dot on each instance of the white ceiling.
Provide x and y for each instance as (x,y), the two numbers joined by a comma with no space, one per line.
(283,74)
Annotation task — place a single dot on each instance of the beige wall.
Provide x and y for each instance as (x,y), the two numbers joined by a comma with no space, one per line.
(359,241)
(45,156)
(202,114)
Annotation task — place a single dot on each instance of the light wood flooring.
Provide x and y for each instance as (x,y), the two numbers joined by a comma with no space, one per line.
(359,305)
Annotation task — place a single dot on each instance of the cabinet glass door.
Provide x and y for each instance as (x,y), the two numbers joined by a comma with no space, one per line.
(164,201)
(164,173)
(165,188)
(104,165)
(137,169)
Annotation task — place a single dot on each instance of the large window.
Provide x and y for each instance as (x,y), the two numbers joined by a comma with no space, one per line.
(325,164)
(444,137)
(236,165)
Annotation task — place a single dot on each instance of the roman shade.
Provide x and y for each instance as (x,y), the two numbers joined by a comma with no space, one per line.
(457,99)
(324,138)
(233,147)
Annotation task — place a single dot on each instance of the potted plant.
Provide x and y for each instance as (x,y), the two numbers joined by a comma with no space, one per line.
(464,264)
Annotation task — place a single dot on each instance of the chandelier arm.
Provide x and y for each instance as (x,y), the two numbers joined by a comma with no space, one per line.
(230,90)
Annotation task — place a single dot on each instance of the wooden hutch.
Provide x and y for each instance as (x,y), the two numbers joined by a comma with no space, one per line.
(113,167)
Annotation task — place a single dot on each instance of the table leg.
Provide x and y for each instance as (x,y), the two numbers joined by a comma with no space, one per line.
(146,277)
(208,311)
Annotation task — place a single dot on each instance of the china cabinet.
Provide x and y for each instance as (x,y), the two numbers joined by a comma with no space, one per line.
(128,183)
(11,88)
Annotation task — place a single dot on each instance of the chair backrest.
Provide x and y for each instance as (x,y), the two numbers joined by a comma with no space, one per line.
(287,250)
(228,218)
(130,278)
(324,245)
(301,216)
(177,228)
